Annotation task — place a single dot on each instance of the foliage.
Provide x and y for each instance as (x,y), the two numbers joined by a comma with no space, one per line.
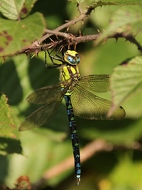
(24,30)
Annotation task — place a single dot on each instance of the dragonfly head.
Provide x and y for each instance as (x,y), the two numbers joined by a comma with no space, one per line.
(71,57)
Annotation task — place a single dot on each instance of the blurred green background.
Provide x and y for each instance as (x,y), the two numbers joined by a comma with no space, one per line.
(49,145)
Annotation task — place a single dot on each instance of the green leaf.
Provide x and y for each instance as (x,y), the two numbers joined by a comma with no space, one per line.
(8,129)
(15,9)
(132,170)
(9,142)
(47,153)
(114,2)
(120,2)
(112,131)
(128,20)
(124,81)
(77,1)
(96,3)
(15,35)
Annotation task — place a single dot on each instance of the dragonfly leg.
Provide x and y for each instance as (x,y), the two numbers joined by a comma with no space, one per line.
(54,65)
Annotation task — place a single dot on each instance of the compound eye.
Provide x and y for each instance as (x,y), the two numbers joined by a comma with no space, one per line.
(71,59)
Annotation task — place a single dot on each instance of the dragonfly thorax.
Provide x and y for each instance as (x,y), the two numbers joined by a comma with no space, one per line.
(69,73)
(69,76)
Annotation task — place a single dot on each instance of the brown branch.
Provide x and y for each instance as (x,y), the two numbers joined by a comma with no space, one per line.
(62,34)
(128,37)
(81,17)
(69,39)
(86,153)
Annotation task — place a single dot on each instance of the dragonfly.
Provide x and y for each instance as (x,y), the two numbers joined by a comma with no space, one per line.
(79,95)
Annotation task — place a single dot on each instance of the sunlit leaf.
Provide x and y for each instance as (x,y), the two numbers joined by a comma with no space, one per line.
(125,79)
(77,1)
(121,2)
(15,35)
(9,142)
(8,129)
(132,170)
(16,10)
(128,20)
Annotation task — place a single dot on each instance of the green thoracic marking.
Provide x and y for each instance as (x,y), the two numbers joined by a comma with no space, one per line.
(80,98)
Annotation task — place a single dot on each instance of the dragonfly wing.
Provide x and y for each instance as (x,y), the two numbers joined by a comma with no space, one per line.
(95,83)
(46,95)
(89,106)
(41,116)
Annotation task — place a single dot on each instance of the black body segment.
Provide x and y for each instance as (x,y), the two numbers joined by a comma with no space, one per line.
(74,137)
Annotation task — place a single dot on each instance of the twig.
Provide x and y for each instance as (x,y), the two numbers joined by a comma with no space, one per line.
(69,39)
(81,17)
(62,34)
(128,37)
(87,152)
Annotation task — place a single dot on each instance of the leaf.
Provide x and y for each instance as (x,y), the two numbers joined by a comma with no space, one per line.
(8,129)
(128,20)
(15,35)
(9,142)
(117,2)
(107,2)
(77,1)
(121,2)
(112,131)
(16,10)
(47,153)
(124,81)
(129,166)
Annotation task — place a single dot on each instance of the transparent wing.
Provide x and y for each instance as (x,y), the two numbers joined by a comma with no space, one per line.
(96,83)
(89,106)
(41,115)
(47,94)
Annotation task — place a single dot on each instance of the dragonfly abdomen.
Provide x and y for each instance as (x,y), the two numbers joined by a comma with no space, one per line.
(74,137)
